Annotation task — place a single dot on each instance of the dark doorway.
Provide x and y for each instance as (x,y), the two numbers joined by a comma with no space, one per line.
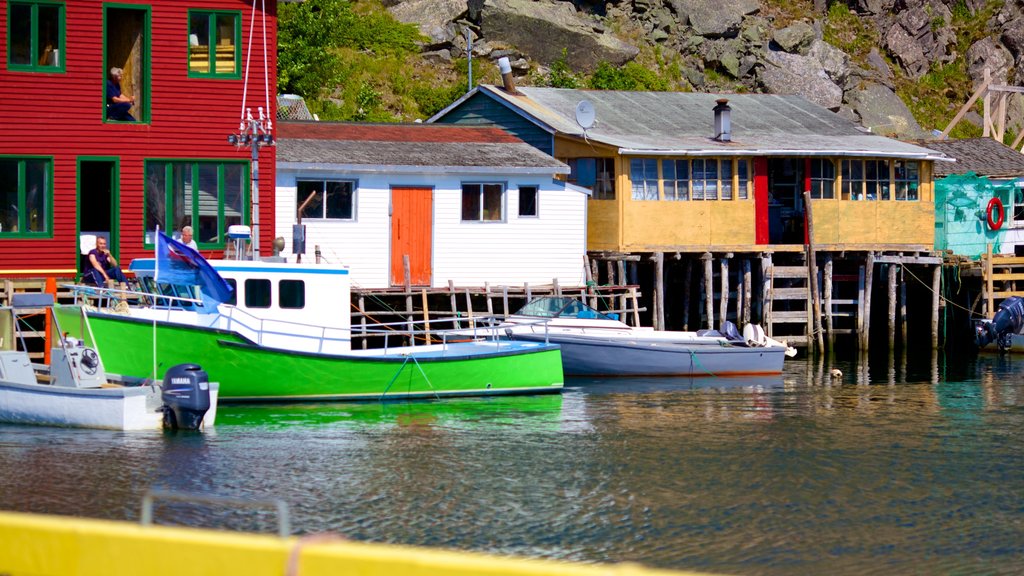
(126,44)
(98,202)
(785,201)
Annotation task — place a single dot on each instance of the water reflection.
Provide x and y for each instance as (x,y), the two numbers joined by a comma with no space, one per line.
(898,465)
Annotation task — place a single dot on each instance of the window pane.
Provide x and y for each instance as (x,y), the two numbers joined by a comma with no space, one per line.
(604,186)
(291,294)
(257,293)
(225,59)
(208,201)
(726,177)
(492,202)
(21,34)
(234,191)
(527,200)
(35,195)
(234,291)
(156,188)
(199,43)
(471,202)
(9,196)
(668,169)
(741,168)
(305,189)
(181,195)
(339,200)
(49,36)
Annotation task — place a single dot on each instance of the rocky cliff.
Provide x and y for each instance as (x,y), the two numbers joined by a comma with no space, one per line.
(901,67)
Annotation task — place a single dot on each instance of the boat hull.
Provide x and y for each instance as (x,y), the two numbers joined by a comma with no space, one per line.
(587,356)
(248,372)
(121,408)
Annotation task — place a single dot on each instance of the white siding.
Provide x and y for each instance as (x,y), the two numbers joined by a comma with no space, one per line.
(531,249)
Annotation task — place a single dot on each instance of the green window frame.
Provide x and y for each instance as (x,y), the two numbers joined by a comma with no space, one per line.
(26,196)
(33,27)
(222,30)
(208,195)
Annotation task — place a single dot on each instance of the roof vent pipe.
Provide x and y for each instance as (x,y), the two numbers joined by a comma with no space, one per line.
(723,125)
(506,75)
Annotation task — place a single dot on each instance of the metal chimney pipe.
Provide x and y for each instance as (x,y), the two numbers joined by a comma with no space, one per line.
(723,123)
(506,75)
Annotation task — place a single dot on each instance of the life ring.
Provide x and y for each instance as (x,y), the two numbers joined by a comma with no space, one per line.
(993,205)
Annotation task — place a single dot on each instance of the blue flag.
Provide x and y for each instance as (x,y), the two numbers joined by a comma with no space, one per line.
(178,264)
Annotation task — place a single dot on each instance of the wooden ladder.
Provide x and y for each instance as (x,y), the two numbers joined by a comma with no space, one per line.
(788,289)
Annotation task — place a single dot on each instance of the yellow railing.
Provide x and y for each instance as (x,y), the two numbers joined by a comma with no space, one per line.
(35,545)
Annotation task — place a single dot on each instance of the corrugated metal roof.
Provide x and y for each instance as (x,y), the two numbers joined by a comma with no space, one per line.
(351,148)
(983,156)
(682,123)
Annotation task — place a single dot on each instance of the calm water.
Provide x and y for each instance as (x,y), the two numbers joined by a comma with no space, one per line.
(920,471)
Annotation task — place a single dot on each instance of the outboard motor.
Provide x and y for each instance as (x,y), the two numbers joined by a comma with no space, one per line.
(1009,320)
(186,397)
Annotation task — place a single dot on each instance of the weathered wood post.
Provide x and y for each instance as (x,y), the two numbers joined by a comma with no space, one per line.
(659,291)
(767,274)
(892,305)
(723,298)
(362,319)
(990,299)
(869,273)
(455,306)
(903,313)
(407,271)
(709,291)
(426,314)
(812,274)
(936,297)
(746,293)
(828,303)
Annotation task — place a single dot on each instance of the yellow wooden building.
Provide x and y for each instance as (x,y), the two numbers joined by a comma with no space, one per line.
(695,172)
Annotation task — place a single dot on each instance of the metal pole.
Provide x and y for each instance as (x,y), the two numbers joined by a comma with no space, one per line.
(255,194)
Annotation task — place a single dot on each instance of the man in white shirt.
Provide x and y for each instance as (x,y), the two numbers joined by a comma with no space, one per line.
(186,238)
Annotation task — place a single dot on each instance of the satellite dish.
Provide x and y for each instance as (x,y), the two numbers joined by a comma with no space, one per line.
(585,114)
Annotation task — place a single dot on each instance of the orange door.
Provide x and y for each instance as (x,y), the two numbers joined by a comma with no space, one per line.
(411,215)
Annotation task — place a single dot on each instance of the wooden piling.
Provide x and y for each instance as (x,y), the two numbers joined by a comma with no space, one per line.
(487,294)
(426,314)
(903,314)
(812,274)
(504,302)
(407,275)
(558,289)
(636,306)
(936,296)
(594,271)
(709,291)
(610,269)
(592,301)
(723,298)
(869,273)
(830,335)
(362,319)
(659,291)
(469,309)
(990,299)
(767,275)
(455,306)
(746,293)
(621,267)
(686,294)
(892,305)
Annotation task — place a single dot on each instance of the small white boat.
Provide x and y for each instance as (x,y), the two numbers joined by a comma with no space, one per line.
(596,344)
(75,390)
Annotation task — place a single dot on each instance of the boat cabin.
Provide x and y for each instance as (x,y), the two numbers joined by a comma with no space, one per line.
(274,302)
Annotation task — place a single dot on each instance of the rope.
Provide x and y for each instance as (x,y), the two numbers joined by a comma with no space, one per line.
(693,359)
(944,299)
(248,53)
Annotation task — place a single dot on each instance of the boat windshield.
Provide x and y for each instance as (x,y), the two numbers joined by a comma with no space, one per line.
(553,307)
(175,291)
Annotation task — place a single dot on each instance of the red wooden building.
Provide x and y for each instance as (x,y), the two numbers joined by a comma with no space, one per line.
(68,171)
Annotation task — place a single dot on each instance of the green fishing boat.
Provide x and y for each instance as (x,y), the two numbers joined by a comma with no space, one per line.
(286,337)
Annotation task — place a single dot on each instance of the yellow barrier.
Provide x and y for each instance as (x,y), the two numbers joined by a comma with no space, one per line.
(34,545)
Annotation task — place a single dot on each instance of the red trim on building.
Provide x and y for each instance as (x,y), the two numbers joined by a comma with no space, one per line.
(761,200)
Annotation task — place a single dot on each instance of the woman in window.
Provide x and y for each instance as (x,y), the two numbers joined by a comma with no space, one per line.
(118,104)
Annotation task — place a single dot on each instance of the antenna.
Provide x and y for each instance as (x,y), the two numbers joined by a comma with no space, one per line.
(585,114)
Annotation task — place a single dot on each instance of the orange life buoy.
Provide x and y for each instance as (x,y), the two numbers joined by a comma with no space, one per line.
(993,205)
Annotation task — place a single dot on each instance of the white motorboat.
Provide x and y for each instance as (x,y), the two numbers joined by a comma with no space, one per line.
(596,344)
(74,390)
